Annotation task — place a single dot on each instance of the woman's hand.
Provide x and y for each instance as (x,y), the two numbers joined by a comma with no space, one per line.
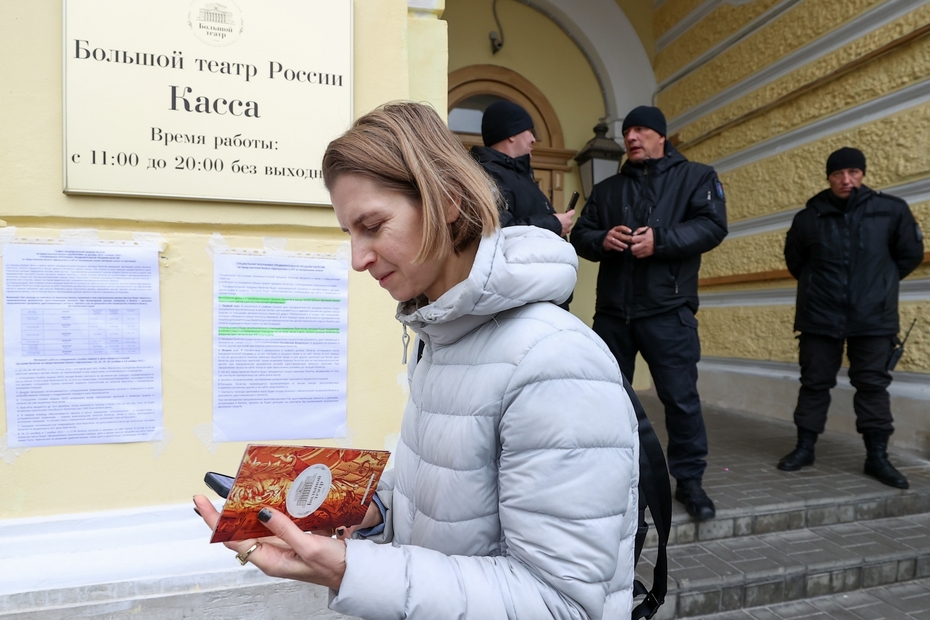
(290,553)
(372,518)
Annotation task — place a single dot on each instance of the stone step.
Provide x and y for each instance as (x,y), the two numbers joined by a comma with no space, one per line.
(753,497)
(901,601)
(780,516)
(714,576)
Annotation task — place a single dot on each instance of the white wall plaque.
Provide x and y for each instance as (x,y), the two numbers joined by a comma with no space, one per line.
(229,100)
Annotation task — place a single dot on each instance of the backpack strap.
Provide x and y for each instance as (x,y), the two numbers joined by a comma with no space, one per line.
(655,491)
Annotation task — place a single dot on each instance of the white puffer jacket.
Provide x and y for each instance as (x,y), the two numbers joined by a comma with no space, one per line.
(514,493)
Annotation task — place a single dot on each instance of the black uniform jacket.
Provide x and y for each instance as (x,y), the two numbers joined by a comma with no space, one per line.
(684,204)
(848,263)
(526,204)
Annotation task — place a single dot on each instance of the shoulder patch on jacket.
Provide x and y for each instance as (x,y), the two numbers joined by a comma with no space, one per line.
(719,187)
(920,234)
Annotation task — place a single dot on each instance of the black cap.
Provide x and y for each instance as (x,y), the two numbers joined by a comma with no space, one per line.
(646,116)
(503,119)
(846,157)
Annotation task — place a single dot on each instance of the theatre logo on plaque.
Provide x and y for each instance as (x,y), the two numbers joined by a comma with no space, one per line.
(215,23)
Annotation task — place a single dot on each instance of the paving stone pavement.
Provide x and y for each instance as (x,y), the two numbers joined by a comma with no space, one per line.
(783,539)
(906,601)
(753,497)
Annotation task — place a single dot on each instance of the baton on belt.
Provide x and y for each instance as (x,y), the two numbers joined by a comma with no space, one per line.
(898,351)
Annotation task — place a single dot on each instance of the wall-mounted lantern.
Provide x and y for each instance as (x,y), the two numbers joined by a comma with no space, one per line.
(599,159)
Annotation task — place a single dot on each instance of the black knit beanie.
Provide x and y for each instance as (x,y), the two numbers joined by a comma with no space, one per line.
(646,116)
(503,119)
(846,157)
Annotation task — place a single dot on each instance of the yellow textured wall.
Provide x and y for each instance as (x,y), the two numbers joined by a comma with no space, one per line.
(786,181)
(749,254)
(720,24)
(901,67)
(767,333)
(916,356)
(670,13)
(765,252)
(895,147)
(639,12)
(104,477)
(805,22)
(538,50)
(783,180)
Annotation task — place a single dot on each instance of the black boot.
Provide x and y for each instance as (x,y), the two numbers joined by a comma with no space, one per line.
(698,505)
(877,464)
(802,455)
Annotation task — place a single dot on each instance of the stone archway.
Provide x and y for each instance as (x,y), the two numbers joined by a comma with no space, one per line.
(608,40)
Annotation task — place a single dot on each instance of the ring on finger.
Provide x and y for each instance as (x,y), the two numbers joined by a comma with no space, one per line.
(244,557)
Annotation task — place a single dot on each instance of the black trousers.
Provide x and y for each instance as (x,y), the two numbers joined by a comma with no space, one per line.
(821,357)
(669,344)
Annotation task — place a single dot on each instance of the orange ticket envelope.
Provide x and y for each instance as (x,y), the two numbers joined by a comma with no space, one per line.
(319,488)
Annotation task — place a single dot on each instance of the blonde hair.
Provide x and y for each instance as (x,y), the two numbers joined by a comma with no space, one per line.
(406,148)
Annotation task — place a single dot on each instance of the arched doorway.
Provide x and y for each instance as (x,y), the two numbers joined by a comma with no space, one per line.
(472,89)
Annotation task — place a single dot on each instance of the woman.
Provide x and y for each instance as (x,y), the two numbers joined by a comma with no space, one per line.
(514,490)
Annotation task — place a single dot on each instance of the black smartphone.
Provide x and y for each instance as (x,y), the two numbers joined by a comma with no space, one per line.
(572,201)
(220,483)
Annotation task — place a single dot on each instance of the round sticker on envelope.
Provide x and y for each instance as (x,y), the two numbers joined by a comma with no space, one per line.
(309,490)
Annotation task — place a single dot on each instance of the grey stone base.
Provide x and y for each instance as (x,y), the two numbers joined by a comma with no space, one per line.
(770,389)
(772,519)
(177,598)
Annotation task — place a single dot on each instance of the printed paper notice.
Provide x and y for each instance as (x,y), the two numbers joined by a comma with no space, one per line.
(81,338)
(279,347)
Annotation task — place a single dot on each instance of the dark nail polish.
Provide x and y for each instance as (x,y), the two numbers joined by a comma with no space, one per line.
(264,515)
(340,531)
(198,513)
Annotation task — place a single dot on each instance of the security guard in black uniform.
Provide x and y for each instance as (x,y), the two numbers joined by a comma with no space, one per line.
(849,248)
(648,226)
(507,132)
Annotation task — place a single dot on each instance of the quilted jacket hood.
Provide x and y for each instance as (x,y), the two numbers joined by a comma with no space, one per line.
(513,267)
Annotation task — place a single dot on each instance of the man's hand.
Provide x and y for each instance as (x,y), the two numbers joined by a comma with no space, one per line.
(643,242)
(565,219)
(617,239)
